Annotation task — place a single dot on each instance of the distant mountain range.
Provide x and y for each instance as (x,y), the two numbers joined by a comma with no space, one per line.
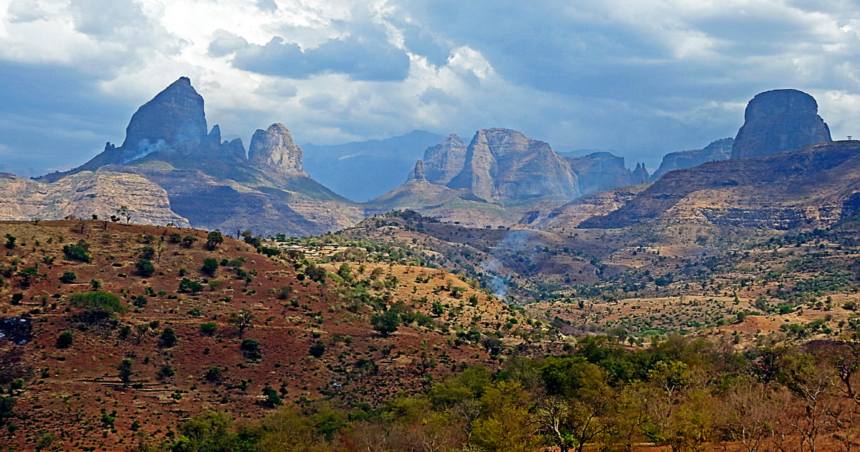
(172,168)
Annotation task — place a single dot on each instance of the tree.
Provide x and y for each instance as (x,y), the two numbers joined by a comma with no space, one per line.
(125,372)
(317,350)
(210,266)
(168,338)
(208,328)
(188,240)
(213,239)
(187,285)
(145,268)
(385,323)
(10,241)
(242,320)
(68,277)
(272,397)
(78,252)
(98,305)
(124,212)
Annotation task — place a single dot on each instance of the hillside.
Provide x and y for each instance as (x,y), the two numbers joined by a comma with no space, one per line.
(178,328)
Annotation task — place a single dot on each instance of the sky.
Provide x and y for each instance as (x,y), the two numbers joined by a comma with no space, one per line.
(641,78)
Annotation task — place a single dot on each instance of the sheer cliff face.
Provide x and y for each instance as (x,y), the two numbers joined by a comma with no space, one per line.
(445,161)
(174,117)
(503,165)
(273,149)
(718,150)
(601,171)
(778,121)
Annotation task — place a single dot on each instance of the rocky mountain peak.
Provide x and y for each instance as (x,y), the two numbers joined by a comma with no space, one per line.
(274,149)
(505,165)
(173,119)
(717,150)
(445,160)
(778,121)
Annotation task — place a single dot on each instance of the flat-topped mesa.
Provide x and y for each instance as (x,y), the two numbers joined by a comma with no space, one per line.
(445,161)
(505,165)
(778,121)
(273,149)
(173,119)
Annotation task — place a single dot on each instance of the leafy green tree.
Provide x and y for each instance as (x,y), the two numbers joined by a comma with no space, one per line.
(213,239)
(147,252)
(210,266)
(78,252)
(208,328)
(317,350)
(251,349)
(145,268)
(174,237)
(385,323)
(188,241)
(68,277)
(272,397)
(10,241)
(168,338)
(98,305)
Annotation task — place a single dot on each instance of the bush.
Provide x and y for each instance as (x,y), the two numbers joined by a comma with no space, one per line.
(99,305)
(317,350)
(147,252)
(168,338)
(251,349)
(213,239)
(16,298)
(386,323)
(175,237)
(145,268)
(210,266)
(208,328)
(284,292)
(188,240)
(139,301)
(166,371)
(187,285)
(213,374)
(272,397)
(65,339)
(68,277)
(78,252)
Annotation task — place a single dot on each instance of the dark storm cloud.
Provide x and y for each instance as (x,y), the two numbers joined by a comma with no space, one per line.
(371,60)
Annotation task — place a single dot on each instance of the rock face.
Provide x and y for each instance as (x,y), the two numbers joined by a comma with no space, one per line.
(273,149)
(445,161)
(601,171)
(84,194)
(175,118)
(718,150)
(778,121)
(503,165)
(418,173)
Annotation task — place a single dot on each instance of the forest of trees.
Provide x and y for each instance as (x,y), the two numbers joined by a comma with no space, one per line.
(686,394)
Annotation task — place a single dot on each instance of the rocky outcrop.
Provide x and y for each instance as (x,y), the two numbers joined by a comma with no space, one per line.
(503,165)
(445,161)
(84,194)
(601,171)
(572,214)
(273,149)
(778,121)
(718,150)
(418,173)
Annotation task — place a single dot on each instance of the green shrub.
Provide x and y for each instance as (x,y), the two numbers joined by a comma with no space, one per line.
(187,285)
(68,277)
(98,305)
(145,268)
(317,350)
(78,252)
(16,298)
(168,338)
(209,328)
(251,349)
(65,339)
(210,266)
